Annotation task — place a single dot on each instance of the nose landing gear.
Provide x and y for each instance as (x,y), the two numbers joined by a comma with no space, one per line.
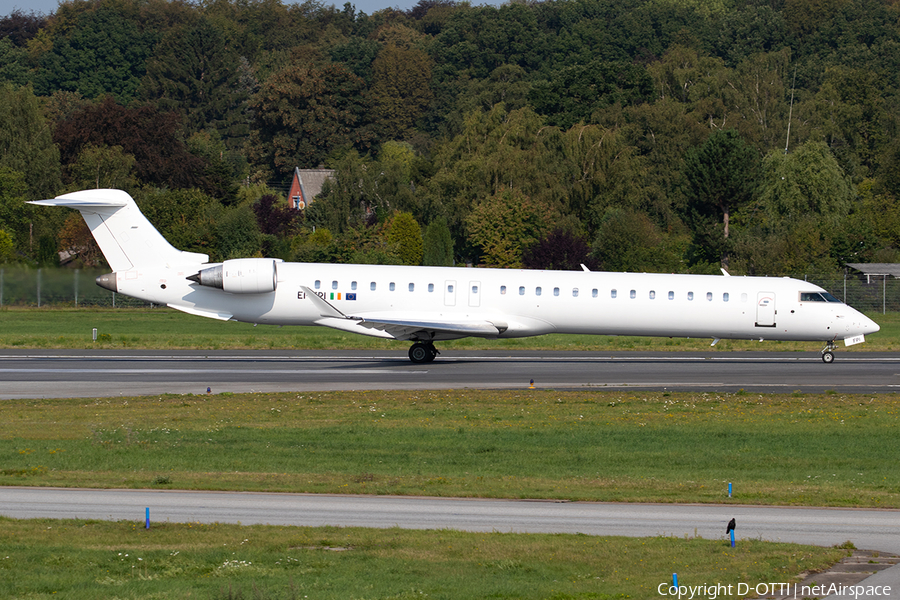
(828,353)
(422,352)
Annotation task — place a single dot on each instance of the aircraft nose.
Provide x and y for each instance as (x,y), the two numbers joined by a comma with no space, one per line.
(870,326)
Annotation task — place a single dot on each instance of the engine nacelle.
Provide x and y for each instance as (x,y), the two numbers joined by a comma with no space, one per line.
(241,276)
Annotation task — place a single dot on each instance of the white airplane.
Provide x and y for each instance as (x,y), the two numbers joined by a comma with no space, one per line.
(427,304)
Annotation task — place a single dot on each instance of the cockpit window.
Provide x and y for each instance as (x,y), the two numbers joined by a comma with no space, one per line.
(817,297)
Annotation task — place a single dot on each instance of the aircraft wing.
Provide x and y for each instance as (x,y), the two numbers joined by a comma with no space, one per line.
(414,329)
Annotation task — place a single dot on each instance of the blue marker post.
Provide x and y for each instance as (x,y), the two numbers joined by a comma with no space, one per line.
(148,523)
(729,490)
(675,580)
(732,538)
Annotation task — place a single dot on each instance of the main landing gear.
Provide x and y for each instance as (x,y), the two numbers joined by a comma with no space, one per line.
(828,353)
(422,352)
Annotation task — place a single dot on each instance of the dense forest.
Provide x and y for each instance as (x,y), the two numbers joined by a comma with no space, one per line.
(642,135)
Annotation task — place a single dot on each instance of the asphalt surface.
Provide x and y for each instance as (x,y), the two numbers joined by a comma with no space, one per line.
(79,373)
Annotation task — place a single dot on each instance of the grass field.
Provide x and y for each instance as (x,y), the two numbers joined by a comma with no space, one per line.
(164,328)
(798,449)
(90,559)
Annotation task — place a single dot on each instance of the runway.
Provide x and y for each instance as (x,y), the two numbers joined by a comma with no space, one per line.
(78,373)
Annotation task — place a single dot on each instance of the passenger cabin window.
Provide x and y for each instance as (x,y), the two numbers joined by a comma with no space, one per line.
(412,287)
(671,295)
(392,286)
(556,291)
(449,288)
(353,285)
(521,290)
(574,292)
(474,289)
(743,297)
(613,293)
(334,285)
(653,294)
(690,295)
(430,287)
(594,293)
(372,286)
(318,284)
(709,296)
(502,290)
(725,297)
(537,291)
(632,294)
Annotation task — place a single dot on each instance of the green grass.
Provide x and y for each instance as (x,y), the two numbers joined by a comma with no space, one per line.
(798,449)
(163,328)
(43,559)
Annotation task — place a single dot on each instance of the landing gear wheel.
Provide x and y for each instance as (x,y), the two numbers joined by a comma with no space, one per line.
(421,353)
(828,353)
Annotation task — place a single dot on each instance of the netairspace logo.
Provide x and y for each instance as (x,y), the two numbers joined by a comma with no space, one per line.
(787,590)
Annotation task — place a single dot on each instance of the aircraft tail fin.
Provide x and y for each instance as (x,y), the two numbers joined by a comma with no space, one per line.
(125,236)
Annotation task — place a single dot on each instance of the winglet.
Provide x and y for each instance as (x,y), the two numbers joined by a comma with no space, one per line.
(325,309)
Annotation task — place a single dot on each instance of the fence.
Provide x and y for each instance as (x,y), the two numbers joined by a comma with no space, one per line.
(76,287)
(59,287)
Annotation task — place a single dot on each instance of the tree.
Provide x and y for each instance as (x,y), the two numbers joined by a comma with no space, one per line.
(102,167)
(561,249)
(437,245)
(808,181)
(628,240)
(26,145)
(406,236)
(302,114)
(400,89)
(103,54)
(504,225)
(573,94)
(151,136)
(194,71)
(720,177)
(76,239)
